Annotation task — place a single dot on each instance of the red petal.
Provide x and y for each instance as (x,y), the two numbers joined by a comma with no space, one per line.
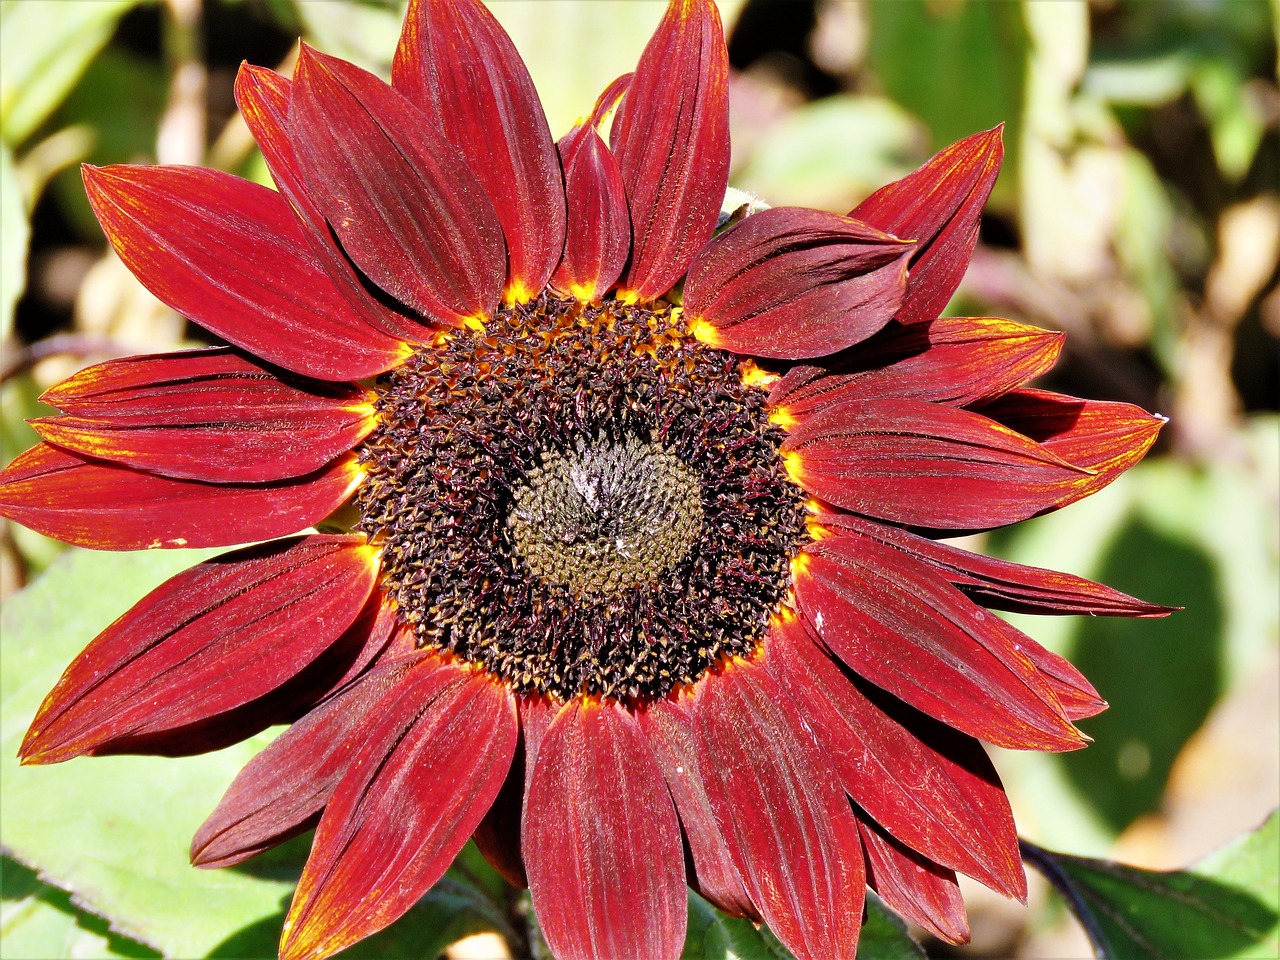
(1103,437)
(263,97)
(793,283)
(788,825)
(938,205)
(458,65)
(905,629)
(956,360)
(925,464)
(282,790)
(110,507)
(601,840)
(599,226)
(233,257)
(216,637)
(917,888)
(206,415)
(425,771)
(1000,584)
(671,138)
(498,836)
(401,201)
(670,734)
(930,786)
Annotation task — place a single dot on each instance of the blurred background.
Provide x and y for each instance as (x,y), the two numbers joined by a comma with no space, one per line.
(1138,210)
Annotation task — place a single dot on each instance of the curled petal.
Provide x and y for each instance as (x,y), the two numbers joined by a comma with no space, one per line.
(208,415)
(458,65)
(926,465)
(402,202)
(792,283)
(671,138)
(107,506)
(938,206)
(916,887)
(895,622)
(789,827)
(954,360)
(221,635)
(601,840)
(424,772)
(599,226)
(233,257)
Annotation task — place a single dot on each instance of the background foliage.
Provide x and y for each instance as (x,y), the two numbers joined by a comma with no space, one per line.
(1139,210)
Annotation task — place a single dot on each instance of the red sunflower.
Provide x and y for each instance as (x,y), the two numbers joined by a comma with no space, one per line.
(629,563)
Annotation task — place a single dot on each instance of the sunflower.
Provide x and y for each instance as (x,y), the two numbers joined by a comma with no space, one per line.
(628,520)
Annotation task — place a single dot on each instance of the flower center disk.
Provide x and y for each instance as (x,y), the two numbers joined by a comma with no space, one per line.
(581,500)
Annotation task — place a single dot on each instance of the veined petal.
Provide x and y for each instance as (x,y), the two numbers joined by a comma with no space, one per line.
(955,360)
(792,283)
(216,637)
(1000,584)
(930,786)
(282,790)
(671,138)
(233,257)
(263,97)
(669,732)
(401,201)
(789,828)
(209,415)
(601,840)
(908,631)
(598,237)
(424,772)
(106,506)
(926,465)
(939,206)
(458,65)
(1104,437)
(914,886)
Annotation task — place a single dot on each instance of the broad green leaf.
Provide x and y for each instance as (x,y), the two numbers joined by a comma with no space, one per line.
(114,831)
(44,47)
(1225,906)
(15,234)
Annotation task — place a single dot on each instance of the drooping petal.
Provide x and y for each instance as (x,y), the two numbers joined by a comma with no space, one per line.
(914,886)
(598,237)
(793,283)
(424,772)
(456,63)
(925,465)
(669,732)
(498,835)
(401,201)
(1000,584)
(282,790)
(106,506)
(908,631)
(939,206)
(601,840)
(263,97)
(1104,437)
(209,415)
(214,638)
(789,828)
(930,786)
(955,360)
(233,257)
(671,138)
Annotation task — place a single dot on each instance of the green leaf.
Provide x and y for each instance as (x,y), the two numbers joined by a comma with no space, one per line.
(15,234)
(44,47)
(1224,907)
(114,830)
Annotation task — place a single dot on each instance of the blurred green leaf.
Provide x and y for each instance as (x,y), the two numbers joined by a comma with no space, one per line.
(44,47)
(1225,906)
(114,830)
(362,31)
(15,235)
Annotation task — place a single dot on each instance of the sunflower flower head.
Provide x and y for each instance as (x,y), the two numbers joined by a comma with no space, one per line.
(631,528)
